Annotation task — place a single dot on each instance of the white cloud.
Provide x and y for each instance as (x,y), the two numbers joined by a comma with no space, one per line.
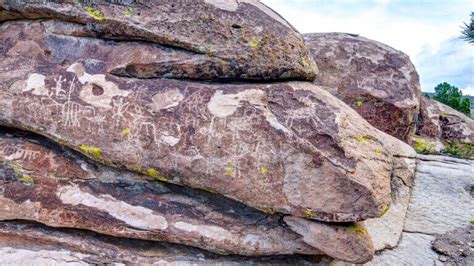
(468,91)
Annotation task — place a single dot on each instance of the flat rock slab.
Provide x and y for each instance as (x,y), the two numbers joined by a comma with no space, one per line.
(42,184)
(379,82)
(414,249)
(29,243)
(231,39)
(291,147)
(442,196)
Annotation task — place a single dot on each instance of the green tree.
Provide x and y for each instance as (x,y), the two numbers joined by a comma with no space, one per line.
(452,96)
(467,32)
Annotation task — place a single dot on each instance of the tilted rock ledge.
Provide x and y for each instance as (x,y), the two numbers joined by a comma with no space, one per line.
(232,39)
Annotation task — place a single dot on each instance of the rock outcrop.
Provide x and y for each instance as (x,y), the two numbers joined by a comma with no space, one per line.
(441,122)
(379,82)
(134,132)
(29,243)
(214,39)
(280,147)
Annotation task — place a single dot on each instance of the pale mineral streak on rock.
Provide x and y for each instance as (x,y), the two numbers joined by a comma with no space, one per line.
(135,216)
(35,83)
(97,91)
(166,100)
(209,231)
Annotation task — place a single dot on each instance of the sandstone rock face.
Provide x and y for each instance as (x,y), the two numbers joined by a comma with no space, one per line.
(44,185)
(379,82)
(280,147)
(442,196)
(349,243)
(386,231)
(235,39)
(27,244)
(441,122)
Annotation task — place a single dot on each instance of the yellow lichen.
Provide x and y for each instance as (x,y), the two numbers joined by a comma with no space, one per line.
(128,12)
(309,213)
(356,229)
(264,170)
(125,132)
(378,151)
(364,138)
(359,103)
(152,172)
(305,62)
(211,51)
(385,210)
(229,170)
(92,151)
(253,43)
(95,13)
(26,179)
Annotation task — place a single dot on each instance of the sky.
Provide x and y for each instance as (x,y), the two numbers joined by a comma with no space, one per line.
(428,31)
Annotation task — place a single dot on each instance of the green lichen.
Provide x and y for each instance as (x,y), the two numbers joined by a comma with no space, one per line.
(95,13)
(309,213)
(125,132)
(253,43)
(92,151)
(471,221)
(423,146)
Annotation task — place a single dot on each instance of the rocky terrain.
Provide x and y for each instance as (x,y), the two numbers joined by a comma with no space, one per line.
(212,132)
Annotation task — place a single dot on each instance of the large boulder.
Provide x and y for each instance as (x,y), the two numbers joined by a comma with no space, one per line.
(440,122)
(213,39)
(379,82)
(280,147)
(41,183)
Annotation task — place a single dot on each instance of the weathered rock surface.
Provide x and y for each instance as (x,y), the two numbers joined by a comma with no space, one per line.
(44,185)
(34,244)
(441,122)
(456,247)
(386,231)
(414,249)
(442,195)
(379,82)
(280,147)
(347,242)
(235,39)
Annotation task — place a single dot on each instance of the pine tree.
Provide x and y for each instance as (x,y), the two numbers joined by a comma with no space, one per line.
(452,96)
(467,32)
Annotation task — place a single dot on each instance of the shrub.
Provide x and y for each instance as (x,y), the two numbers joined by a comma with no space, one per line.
(459,149)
